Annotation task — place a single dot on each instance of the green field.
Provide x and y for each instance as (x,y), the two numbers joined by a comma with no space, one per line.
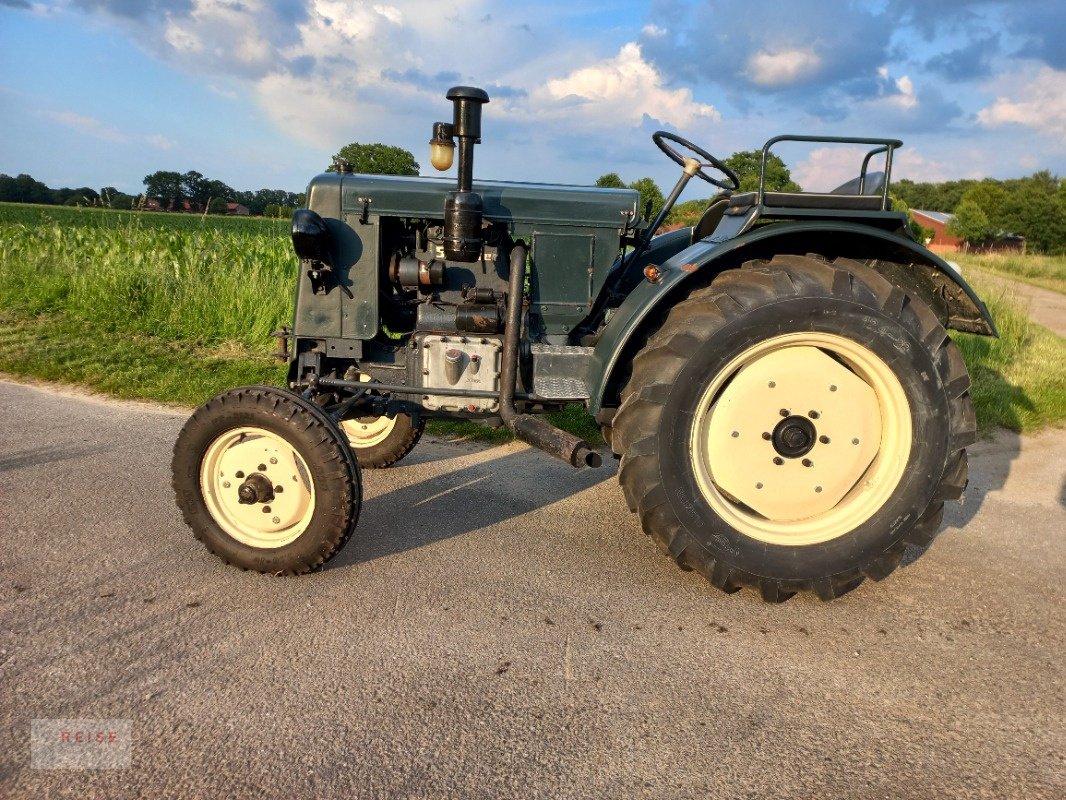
(175,308)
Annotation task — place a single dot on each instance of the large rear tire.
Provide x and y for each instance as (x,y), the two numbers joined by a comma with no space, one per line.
(266,481)
(794,426)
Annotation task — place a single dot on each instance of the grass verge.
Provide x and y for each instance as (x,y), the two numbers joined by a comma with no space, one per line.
(1047,272)
(1019,379)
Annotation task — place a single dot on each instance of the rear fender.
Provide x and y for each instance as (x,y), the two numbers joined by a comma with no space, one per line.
(902,261)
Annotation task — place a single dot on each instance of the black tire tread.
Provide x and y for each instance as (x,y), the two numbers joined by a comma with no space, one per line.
(326,436)
(400,441)
(692,322)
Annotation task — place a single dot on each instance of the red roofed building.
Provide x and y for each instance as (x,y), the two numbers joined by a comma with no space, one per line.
(937,221)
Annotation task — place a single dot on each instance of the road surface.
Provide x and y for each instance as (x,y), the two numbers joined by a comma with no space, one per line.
(500,627)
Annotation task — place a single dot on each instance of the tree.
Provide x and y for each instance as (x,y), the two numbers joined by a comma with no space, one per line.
(649,192)
(165,186)
(217,205)
(970,224)
(747,165)
(610,181)
(920,234)
(376,159)
(992,198)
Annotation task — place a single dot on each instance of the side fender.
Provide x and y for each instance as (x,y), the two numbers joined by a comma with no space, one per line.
(902,261)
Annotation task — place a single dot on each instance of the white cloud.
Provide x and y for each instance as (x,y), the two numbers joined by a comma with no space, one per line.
(783,67)
(89,126)
(905,98)
(160,141)
(825,168)
(619,90)
(651,29)
(1038,102)
(911,163)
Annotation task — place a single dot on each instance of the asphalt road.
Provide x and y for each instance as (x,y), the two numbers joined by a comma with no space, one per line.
(500,627)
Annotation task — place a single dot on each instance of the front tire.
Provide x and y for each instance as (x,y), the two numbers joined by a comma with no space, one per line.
(266,481)
(794,426)
(380,442)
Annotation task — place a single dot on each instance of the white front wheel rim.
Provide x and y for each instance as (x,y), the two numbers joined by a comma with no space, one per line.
(258,457)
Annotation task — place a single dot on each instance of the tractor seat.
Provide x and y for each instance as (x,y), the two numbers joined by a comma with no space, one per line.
(846,196)
(708,223)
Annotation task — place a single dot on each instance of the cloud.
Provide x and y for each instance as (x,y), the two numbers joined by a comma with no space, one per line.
(1037,101)
(88,125)
(623,90)
(825,168)
(160,141)
(797,50)
(783,67)
(966,63)
(1042,26)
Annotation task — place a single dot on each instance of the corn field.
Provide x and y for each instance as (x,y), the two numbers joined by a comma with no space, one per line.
(176,277)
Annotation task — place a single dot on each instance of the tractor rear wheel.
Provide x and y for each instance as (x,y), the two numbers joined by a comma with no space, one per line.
(266,480)
(794,426)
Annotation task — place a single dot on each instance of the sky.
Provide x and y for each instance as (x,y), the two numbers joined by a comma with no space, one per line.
(261,93)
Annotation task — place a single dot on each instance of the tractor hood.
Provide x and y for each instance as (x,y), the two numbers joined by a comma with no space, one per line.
(334,194)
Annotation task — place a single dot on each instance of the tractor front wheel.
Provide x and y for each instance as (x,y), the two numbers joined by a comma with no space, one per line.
(266,480)
(794,426)
(380,442)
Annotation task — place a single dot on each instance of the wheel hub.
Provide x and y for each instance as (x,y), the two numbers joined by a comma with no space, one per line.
(794,436)
(257,488)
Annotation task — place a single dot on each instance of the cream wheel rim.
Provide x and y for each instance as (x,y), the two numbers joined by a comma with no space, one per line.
(801,438)
(278,492)
(363,432)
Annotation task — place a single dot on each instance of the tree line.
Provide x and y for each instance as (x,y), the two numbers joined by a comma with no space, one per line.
(989,210)
(985,210)
(171,191)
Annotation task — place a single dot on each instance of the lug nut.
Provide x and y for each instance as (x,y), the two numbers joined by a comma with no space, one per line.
(276,520)
(807,462)
(279,489)
(736,434)
(784,412)
(225,484)
(778,460)
(772,384)
(262,467)
(767,436)
(239,474)
(823,439)
(266,509)
(273,461)
(854,441)
(813,414)
(817,488)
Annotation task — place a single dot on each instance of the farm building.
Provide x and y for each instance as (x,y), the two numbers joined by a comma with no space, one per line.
(937,221)
(944,242)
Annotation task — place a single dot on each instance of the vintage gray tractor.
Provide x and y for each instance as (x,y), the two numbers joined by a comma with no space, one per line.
(777,380)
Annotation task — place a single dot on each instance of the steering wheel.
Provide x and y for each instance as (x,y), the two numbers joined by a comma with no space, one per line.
(662,137)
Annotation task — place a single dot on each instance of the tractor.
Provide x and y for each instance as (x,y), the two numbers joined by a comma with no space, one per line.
(777,380)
